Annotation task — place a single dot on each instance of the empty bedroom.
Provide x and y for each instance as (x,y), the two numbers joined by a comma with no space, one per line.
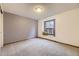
(39,29)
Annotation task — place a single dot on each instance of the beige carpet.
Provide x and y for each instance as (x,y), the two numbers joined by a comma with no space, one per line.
(38,47)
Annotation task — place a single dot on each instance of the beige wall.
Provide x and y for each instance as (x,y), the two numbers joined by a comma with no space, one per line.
(67,27)
(1,29)
(18,28)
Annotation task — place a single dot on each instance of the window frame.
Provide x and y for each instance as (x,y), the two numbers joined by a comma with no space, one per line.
(53,28)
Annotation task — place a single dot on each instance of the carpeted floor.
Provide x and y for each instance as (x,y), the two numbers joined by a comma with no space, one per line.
(38,47)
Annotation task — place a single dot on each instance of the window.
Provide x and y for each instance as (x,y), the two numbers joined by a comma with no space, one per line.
(49,27)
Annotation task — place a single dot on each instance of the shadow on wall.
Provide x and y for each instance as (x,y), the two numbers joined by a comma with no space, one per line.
(18,28)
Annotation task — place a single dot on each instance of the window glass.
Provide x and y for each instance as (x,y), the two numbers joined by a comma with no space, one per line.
(49,27)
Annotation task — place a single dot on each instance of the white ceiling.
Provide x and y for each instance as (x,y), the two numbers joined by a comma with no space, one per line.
(26,9)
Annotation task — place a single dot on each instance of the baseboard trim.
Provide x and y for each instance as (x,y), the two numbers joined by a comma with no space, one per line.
(16,41)
(44,39)
(58,42)
(13,42)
